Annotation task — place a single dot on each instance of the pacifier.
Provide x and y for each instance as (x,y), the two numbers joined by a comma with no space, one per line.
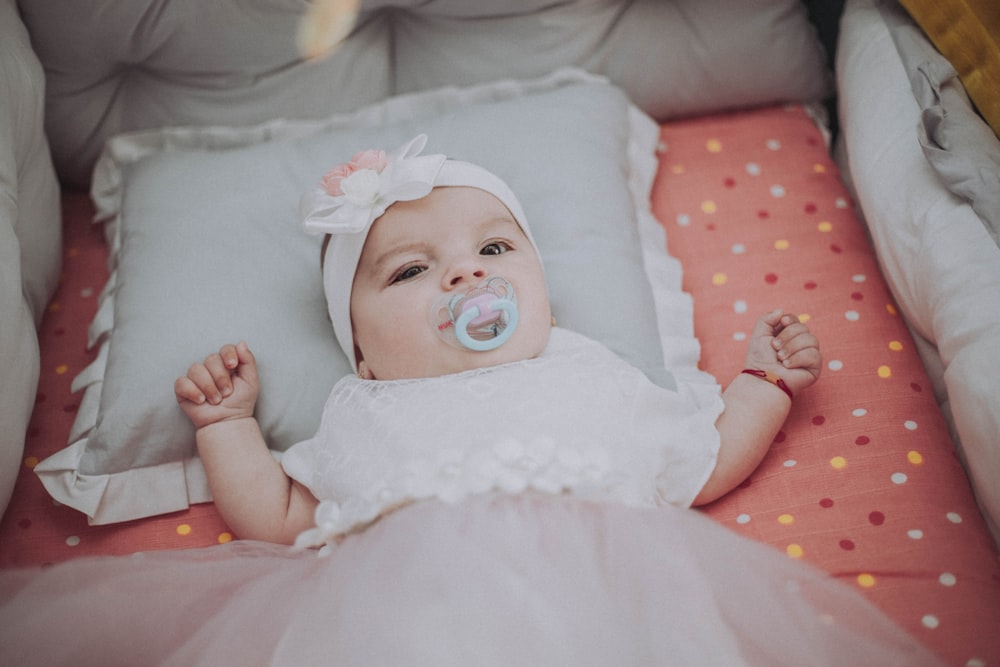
(480,319)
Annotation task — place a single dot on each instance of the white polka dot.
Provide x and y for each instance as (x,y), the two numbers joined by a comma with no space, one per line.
(910,425)
(859,278)
(72,540)
(947,579)
(683,219)
(835,364)
(975,662)
(740,306)
(930,621)
(87,292)
(740,336)
(898,478)
(840,202)
(954,517)
(743,519)
(915,534)
(852,316)
(661,147)
(773,145)
(753,168)
(859,412)
(739,249)
(790,463)
(777,191)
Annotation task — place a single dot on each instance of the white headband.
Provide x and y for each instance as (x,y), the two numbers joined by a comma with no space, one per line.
(355,194)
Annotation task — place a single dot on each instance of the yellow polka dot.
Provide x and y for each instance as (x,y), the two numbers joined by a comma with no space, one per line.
(677,169)
(61,369)
(794,550)
(819,168)
(914,457)
(225,537)
(895,345)
(30,462)
(183,529)
(786,519)
(838,462)
(891,309)
(54,306)
(804,317)
(713,146)
(884,372)
(866,580)
(72,252)
(719,279)
(708,206)
(781,244)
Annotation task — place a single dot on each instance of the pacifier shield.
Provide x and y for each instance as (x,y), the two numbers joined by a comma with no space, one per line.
(480,319)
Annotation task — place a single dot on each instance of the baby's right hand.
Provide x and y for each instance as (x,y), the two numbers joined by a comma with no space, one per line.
(222,387)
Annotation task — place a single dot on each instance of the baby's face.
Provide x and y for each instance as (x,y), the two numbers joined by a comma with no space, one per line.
(418,251)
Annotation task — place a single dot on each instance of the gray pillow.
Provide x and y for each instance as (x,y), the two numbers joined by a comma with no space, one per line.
(208,248)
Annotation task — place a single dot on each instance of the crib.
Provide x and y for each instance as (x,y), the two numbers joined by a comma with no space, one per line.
(744,158)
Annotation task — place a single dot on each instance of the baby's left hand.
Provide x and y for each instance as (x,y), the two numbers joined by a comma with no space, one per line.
(783,345)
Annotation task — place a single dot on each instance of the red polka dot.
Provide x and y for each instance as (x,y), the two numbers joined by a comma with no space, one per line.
(780,437)
(59,332)
(770,279)
(729,182)
(812,141)
(71,407)
(847,545)
(24,524)
(862,440)
(826,503)
(916,387)
(819,420)
(876,518)
(710,226)
(40,398)
(763,215)
(810,285)
(836,249)
(810,207)
(857,296)
(34,432)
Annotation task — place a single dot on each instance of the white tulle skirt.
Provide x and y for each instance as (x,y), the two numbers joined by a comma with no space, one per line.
(496,580)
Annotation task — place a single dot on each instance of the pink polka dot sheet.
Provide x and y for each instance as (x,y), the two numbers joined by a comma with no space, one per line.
(862,481)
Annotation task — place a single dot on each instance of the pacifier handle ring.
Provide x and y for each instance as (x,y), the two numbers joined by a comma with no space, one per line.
(466,317)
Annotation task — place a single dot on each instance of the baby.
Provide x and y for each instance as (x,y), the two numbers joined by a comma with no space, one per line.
(433,282)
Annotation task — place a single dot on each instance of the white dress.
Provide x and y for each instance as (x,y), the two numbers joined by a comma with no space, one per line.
(545,534)
(575,420)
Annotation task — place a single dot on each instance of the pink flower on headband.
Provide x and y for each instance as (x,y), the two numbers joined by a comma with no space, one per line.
(352,195)
(372,160)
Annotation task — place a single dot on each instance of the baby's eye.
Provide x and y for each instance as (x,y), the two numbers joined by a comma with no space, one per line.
(495,248)
(407,273)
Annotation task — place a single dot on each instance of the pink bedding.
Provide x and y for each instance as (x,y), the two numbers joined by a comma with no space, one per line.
(862,481)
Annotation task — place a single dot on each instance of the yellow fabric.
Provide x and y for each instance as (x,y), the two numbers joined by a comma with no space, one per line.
(967,33)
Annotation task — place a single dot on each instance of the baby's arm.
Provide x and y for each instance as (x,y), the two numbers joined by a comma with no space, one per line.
(754,408)
(250,488)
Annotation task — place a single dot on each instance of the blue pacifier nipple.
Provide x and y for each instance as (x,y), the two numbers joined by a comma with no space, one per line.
(481,319)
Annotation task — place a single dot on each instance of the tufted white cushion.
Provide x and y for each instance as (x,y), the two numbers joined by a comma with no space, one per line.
(30,235)
(152,63)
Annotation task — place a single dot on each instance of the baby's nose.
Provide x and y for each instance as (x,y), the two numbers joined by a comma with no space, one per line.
(463,271)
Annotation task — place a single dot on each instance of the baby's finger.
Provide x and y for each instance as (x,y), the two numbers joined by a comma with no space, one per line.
(220,374)
(247,363)
(797,343)
(788,333)
(807,357)
(186,390)
(229,356)
(203,379)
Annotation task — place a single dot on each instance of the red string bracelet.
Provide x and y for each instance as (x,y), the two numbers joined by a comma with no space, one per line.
(772,378)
